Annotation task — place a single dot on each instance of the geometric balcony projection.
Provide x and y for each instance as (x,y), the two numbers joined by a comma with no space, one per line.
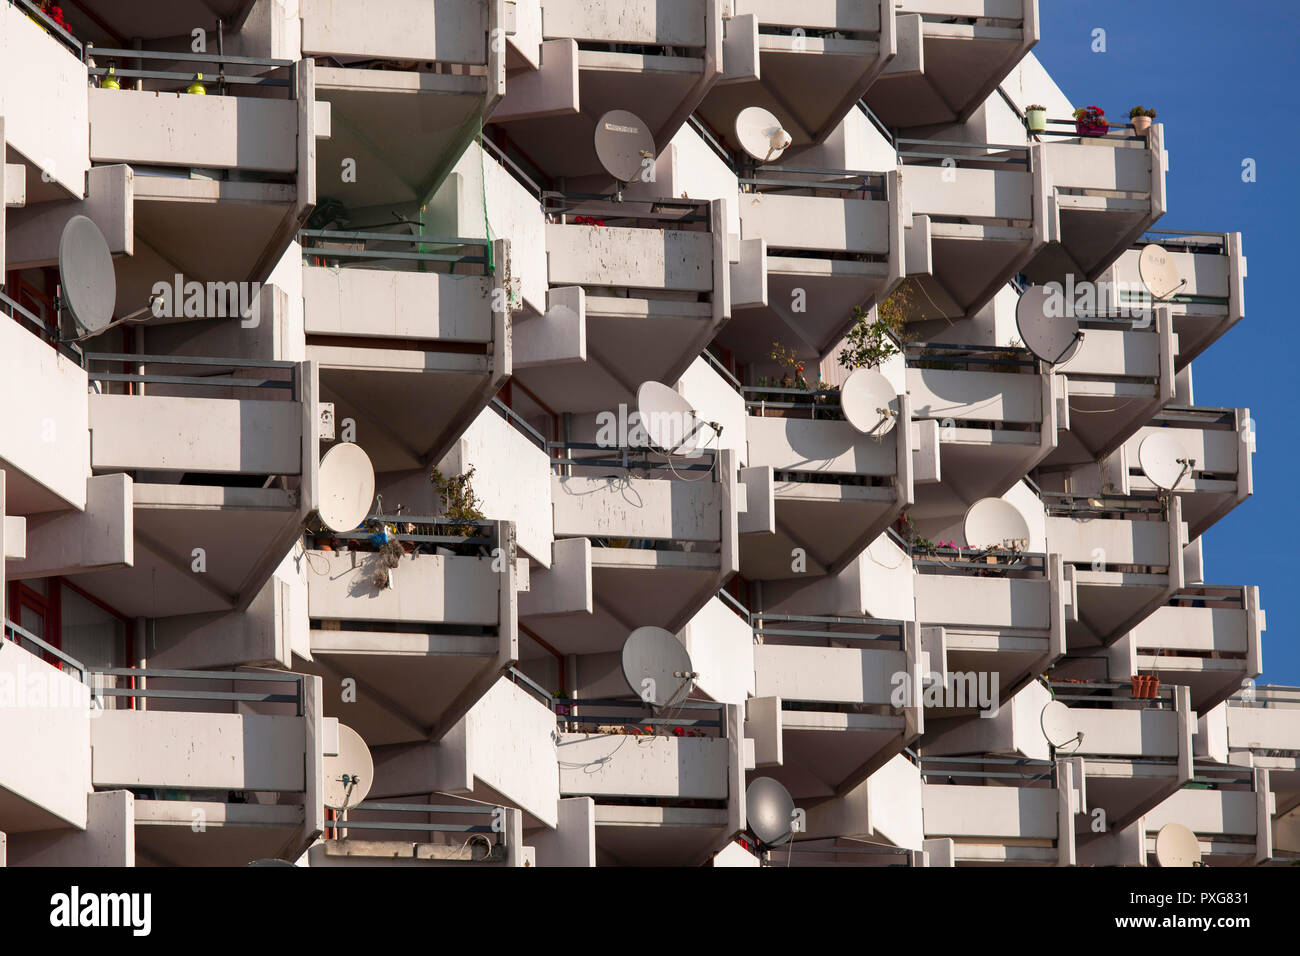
(1127,555)
(808,63)
(1219,445)
(1262,733)
(1207,273)
(951,54)
(636,291)
(835,486)
(224,472)
(399,322)
(1230,809)
(254,149)
(424,640)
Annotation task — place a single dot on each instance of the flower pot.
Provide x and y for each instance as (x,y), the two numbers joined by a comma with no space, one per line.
(1141,124)
(1091,129)
(1036,120)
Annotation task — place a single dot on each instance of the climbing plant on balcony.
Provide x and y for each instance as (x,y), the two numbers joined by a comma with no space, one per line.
(459,502)
(871,341)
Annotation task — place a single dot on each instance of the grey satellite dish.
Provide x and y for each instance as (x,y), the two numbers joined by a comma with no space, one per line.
(1163,461)
(992,521)
(1176,845)
(670,420)
(349,774)
(1053,338)
(623,144)
(769,809)
(1158,271)
(657,667)
(869,402)
(88,285)
(347,487)
(761,135)
(1058,725)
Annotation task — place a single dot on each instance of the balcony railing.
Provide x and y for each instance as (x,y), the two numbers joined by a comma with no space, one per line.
(812,181)
(970,358)
(142,687)
(464,535)
(397,817)
(215,373)
(49,26)
(225,82)
(814,631)
(385,250)
(956,154)
(20,636)
(625,457)
(1067,129)
(35,324)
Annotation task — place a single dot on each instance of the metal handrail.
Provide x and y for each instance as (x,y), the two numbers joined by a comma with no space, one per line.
(874,629)
(222,79)
(521,176)
(62,35)
(151,674)
(212,381)
(467,809)
(393,255)
(624,461)
(50,335)
(557,203)
(17,631)
(537,689)
(515,419)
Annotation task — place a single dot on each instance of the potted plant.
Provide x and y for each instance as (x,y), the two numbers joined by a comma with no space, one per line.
(1141,117)
(1036,118)
(1091,121)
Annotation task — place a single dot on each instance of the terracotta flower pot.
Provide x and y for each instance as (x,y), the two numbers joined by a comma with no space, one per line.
(1141,124)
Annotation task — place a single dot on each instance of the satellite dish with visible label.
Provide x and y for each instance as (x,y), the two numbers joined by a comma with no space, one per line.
(869,402)
(769,809)
(623,144)
(88,285)
(992,521)
(1058,725)
(350,774)
(1158,272)
(656,666)
(669,419)
(1163,461)
(347,487)
(760,134)
(1053,338)
(1176,845)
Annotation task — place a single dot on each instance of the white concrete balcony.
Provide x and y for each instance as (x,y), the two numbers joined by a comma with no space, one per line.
(222,181)
(427,645)
(397,321)
(952,54)
(1127,555)
(685,772)
(1219,444)
(1105,193)
(807,63)
(990,412)
(990,811)
(657,60)
(1212,300)
(836,698)
(1230,809)
(636,291)
(391,833)
(998,615)
(974,216)
(223,456)
(832,240)
(833,488)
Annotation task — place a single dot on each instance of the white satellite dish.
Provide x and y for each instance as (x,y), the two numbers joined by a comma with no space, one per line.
(869,402)
(350,774)
(993,521)
(347,487)
(1049,329)
(623,144)
(670,420)
(761,134)
(1163,460)
(88,285)
(657,667)
(1158,271)
(1176,845)
(769,810)
(1058,724)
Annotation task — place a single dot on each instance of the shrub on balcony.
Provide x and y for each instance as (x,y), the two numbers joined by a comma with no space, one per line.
(459,502)
(872,341)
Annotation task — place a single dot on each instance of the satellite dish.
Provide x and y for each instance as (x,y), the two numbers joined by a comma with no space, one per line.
(993,521)
(1163,461)
(347,487)
(623,144)
(88,285)
(1176,845)
(769,809)
(350,774)
(656,666)
(1053,338)
(760,134)
(1058,724)
(869,402)
(1158,272)
(669,420)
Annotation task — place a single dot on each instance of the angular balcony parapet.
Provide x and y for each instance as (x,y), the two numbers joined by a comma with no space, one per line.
(951,56)
(1211,268)
(834,488)
(1219,445)
(1230,809)
(410,31)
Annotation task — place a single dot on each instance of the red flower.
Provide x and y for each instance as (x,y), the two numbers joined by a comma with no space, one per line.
(678,732)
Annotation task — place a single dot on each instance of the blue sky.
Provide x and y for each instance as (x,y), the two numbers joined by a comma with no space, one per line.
(1223,78)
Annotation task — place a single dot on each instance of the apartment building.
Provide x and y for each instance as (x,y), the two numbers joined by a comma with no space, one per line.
(588,432)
